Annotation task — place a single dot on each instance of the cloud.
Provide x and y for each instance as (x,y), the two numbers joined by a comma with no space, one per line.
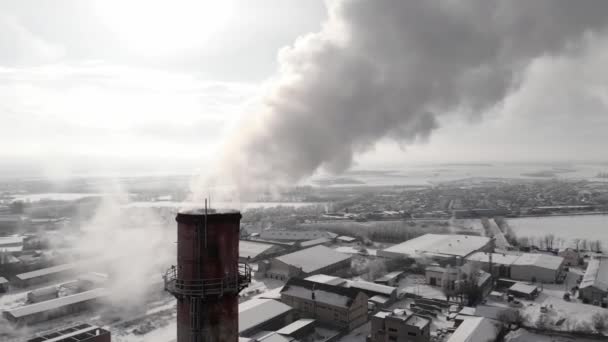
(20,46)
(95,111)
(395,69)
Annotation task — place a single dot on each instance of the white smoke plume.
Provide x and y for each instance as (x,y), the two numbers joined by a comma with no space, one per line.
(391,68)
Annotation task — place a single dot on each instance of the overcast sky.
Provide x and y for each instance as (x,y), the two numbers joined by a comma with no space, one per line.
(105,83)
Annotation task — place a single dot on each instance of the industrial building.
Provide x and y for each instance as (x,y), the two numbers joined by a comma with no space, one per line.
(78,333)
(438,247)
(44,275)
(379,294)
(251,251)
(475,329)
(263,315)
(306,262)
(390,279)
(594,286)
(327,279)
(11,244)
(339,307)
(525,267)
(208,276)
(37,312)
(399,327)
(298,329)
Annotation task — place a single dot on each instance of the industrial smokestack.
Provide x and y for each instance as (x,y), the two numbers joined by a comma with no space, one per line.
(208,276)
(389,69)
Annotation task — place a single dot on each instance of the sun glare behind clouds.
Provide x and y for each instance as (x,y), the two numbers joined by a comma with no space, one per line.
(162,27)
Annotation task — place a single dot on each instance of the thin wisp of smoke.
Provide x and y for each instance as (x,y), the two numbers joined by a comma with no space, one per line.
(392,68)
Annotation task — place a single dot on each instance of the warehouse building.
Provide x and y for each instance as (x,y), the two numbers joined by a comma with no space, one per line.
(339,307)
(381,295)
(33,313)
(263,315)
(304,263)
(474,329)
(438,247)
(327,279)
(594,286)
(399,327)
(525,267)
(251,251)
(44,275)
(78,333)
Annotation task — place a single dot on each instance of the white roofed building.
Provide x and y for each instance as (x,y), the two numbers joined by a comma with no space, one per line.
(263,314)
(306,262)
(476,329)
(438,246)
(525,266)
(594,286)
(250,251)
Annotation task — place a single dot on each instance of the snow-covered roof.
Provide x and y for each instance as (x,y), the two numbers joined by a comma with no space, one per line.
(314,258)
(275,337)
(3,280)
(346,238)
(27,310)
(417,321)
(46,271)
(475,329)
(379,299)
(295,326)
(439,245)
(596,274)
(250,249)
(314,242)
(259,311)
(551,262)
(326,279)
(323,293)
(390,276)
(523,288)
(524,259)
(373,287)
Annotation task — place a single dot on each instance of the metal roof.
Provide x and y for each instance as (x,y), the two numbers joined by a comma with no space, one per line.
(314,258)
(523,288)
(373,287)
(475,329)
(524,259)
(250,249)
(56,303)
(439,245)
(46,271)
(596,274)
(323,293)
(75,333)
(326,279)
(260,311)
(295,326)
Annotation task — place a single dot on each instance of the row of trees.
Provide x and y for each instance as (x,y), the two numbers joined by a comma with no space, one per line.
(551,242)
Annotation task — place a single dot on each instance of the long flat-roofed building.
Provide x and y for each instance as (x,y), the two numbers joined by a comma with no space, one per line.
(44,275)
(263,315)
(594,287)
(251,251)
(78,333)
(437,246)
(49,309)
(526,266)
(304,263)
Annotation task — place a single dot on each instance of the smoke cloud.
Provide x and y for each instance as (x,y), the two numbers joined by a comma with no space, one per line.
(390,69)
